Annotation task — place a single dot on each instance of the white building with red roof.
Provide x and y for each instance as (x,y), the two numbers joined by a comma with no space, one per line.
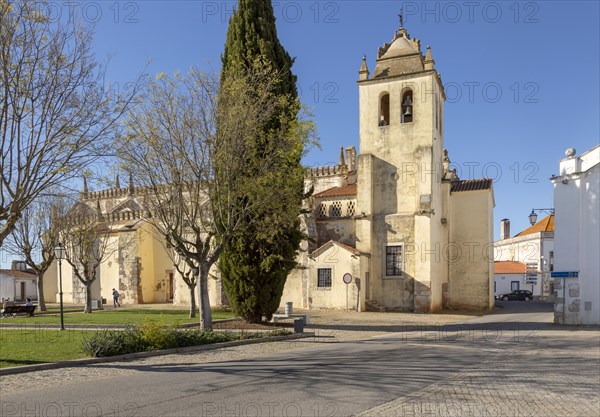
(532,247)
(509,276)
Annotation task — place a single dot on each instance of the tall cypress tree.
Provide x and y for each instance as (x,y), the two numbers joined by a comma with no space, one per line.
(252,35)
(256,261)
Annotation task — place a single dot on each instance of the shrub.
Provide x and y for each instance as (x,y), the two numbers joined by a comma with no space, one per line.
(157,336)
(111,342)
(152,336)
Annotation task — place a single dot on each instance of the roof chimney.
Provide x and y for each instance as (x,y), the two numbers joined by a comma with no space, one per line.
(19,266)
(504,229)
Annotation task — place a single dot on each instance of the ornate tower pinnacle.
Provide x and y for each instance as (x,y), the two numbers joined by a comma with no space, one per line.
(429,61)
(85,187)
(130,188)
(99,211)
(342,160)
(363,73)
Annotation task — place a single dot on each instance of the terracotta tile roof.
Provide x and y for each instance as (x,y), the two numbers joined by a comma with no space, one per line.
(335,242)
(18,274)
(544,225)
(338,191)
(348,247)
(471,185)
(509,267)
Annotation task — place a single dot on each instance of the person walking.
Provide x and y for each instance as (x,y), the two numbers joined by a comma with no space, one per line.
(115,294)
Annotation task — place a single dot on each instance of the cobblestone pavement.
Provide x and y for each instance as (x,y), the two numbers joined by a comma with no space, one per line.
(519,382)
(534,369)
(531,368)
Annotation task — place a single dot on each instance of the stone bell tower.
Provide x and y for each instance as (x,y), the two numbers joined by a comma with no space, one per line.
(399,225)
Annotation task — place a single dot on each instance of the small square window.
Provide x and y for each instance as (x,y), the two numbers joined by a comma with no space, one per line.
(324,278)
(393,260)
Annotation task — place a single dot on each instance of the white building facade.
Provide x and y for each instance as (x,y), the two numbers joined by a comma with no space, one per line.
(577,238)
(18,283)
(534,248)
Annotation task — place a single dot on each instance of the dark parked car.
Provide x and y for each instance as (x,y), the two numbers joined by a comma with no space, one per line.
(522,295)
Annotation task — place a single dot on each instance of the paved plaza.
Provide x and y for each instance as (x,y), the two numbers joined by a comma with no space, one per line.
(513,362)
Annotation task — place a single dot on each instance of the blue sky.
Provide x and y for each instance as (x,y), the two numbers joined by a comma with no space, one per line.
(522,78)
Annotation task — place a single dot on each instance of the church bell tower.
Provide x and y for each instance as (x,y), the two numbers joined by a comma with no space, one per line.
(399,193)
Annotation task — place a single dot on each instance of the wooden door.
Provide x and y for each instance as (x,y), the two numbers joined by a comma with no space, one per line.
(171,287)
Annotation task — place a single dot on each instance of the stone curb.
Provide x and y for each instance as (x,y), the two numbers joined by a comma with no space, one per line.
(189,349)
(35,326)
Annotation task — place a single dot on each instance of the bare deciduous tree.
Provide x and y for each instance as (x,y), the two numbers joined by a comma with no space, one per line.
(36,235)
(57,114)
(89,242)
(194,173)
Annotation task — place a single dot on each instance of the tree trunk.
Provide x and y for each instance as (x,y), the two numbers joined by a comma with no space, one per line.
(88,298)
(205,313)
(8,226)
(40,290)
(192,289)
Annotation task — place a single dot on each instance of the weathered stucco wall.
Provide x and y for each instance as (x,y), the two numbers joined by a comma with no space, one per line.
(471,277)
(339,295)
(339,230)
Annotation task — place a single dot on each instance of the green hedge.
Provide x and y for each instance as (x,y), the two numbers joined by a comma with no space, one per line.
(152,336)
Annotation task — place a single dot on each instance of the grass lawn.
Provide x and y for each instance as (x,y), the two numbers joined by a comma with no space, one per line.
(118,316)
(30,347)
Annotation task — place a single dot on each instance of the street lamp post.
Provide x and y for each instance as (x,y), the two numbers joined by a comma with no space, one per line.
(59,252)
(533,216)
(533,220)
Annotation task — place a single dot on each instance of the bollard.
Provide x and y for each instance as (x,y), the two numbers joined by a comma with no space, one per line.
(288,308)
(299,325)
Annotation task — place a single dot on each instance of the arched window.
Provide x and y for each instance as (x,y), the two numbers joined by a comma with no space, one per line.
(407,107)
(384,110)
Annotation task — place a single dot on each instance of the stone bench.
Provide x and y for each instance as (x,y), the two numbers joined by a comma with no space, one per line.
(283,317)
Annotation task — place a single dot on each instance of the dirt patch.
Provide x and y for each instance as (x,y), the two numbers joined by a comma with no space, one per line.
(243,325)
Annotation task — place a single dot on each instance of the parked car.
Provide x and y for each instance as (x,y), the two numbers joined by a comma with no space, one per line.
(522,295)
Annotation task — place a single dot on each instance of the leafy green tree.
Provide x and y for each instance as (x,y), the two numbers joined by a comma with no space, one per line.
(256,261)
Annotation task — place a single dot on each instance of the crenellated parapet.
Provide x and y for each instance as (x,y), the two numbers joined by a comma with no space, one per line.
(118,216)
(121,216)
(108,193)
(347,164)
(325,171)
